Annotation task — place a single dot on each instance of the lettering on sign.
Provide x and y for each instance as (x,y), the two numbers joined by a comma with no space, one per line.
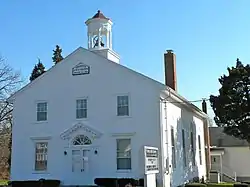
(151,160)
(80,69)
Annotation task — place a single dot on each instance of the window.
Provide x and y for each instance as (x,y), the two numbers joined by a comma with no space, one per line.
(184,148)
(123,154)
(122,105)
(192,148)
(41,156)
(81,108)
(199,144)
(173,148)
(81,140)
(41,111)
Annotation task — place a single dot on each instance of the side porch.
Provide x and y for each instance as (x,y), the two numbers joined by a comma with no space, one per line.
(219,170)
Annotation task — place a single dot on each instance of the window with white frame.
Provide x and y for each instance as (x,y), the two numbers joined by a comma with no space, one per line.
(173,148)
(123,152)
(81,108)
(192,148)
(41,153)
(184,149)
(41,111)
(123,105)
(199,146)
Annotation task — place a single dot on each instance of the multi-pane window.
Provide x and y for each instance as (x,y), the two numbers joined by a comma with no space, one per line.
(123,105)
(81,108)
(41,111)
(184,148)
(192,148)
(123,152)
(173,148)
(199,145)
(41,156)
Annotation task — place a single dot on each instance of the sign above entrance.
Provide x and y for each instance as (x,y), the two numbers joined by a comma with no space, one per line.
(80,69)
(151,155)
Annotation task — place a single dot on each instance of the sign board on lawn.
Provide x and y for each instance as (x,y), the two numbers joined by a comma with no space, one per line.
(151,155)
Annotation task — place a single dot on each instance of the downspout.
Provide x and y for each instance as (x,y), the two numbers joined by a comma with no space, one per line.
(207,148)
(165,170)
(161,144)
(166,133)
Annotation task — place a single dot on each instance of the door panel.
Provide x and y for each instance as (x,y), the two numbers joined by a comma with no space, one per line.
(215,162)
(76,161)
(81,163)
(86,155)
(80,160)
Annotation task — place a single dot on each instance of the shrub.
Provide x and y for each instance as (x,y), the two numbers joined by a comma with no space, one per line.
(3,183)
(220,184)
(196,180)
(140,182)
(240,185)
(107,182)
(195,185)
(114,182)
(122,182)
(246,182)
(51,183)
(39,183)
(24,183)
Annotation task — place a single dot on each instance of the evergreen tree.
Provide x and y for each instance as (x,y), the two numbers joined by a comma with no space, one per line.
(232,105)
(57,55)
(38,70)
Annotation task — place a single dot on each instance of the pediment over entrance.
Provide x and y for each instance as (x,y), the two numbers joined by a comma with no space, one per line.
(67,134)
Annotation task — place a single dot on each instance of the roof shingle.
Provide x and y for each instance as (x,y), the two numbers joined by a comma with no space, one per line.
(99,15)
(220,139)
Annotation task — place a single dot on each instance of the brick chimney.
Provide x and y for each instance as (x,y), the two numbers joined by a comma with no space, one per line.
(170,69)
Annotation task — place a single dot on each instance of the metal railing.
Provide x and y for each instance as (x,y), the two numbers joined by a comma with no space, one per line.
(222,169)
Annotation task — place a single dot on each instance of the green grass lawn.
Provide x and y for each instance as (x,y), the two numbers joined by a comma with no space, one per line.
(224,184)
(220,184)
(3,182)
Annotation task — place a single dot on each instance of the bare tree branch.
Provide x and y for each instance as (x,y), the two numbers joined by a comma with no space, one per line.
(10,82)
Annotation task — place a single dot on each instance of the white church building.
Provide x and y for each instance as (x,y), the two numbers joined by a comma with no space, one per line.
(90,117)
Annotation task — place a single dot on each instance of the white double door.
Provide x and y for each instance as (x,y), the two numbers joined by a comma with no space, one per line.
(81,160)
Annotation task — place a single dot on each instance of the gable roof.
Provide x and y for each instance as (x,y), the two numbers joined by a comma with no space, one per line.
(166,90)
(12,97)
(219,139)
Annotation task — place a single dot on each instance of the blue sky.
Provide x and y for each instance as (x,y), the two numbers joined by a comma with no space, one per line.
(207,36)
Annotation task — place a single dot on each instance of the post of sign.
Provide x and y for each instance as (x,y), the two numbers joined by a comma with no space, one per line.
(151,163)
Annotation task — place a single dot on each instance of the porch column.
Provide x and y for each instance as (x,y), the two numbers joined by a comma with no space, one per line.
(221,168)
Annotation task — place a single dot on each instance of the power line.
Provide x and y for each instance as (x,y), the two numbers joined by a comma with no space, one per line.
(191,101)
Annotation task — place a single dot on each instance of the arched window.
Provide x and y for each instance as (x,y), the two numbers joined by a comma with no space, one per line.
(81,140)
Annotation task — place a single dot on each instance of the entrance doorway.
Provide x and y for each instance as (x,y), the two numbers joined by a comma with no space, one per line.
(80,160)
(81,155)
(216,162)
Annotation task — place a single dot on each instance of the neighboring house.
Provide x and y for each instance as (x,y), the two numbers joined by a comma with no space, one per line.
(89,116)
(229,155)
